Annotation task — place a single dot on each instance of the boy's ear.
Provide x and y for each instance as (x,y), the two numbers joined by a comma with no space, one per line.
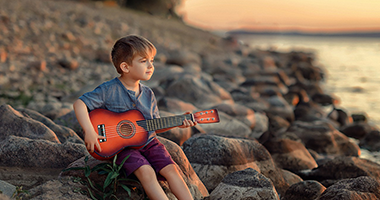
(124,67)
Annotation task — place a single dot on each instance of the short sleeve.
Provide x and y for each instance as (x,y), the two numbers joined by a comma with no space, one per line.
(94,99)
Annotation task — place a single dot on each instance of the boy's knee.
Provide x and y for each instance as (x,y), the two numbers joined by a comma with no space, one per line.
(169,170)
(145,172)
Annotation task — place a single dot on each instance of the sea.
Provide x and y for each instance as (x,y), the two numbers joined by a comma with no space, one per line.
(351,65)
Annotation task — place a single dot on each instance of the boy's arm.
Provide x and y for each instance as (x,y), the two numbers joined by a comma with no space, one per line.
(91,138)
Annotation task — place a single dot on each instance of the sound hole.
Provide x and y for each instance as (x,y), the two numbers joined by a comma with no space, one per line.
(126,129)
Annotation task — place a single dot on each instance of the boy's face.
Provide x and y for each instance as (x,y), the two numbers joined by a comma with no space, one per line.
(141,68)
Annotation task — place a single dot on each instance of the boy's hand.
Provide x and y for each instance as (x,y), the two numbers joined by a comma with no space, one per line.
(91,140)
(187,123)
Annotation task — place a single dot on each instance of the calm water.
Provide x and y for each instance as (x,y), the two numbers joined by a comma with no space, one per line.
(352,67)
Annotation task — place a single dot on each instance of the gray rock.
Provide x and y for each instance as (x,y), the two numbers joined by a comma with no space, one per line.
(290,155)
(305,190)
(201,92)
(323,138)
(24,152)
(213,157)
(15,123)
(6,189)
(245,184)
(340,168)
(63,133)
(363,187)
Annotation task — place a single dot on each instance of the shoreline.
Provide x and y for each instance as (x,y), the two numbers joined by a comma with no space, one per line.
(272,129)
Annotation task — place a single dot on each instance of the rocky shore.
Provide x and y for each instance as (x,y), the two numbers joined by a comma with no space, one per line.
(279,136)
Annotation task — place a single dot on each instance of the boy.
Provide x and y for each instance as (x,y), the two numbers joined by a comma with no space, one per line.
(133,58)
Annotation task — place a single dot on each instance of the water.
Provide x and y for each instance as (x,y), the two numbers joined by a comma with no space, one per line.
(352,66)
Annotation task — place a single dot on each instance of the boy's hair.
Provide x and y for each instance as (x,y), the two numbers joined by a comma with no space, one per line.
(125,49)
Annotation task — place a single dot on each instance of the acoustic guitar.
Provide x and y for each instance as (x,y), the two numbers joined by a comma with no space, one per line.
(131,130)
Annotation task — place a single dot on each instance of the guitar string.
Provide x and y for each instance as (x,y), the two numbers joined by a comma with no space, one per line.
(111,132)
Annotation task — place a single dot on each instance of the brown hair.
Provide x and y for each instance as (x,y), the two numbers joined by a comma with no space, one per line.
(125,49)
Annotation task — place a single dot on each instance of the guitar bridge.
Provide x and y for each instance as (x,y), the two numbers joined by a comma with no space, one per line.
(102,132)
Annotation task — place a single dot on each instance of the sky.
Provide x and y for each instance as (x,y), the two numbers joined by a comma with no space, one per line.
(304,15)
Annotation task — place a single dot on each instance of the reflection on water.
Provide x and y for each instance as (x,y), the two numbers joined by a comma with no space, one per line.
(352,66)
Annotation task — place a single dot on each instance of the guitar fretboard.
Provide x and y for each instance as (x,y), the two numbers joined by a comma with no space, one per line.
(164,122)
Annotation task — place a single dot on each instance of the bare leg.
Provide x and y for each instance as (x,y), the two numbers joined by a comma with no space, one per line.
(176,183)
(148,178)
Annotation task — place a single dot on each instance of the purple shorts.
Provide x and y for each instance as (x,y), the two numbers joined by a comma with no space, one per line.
(154,154)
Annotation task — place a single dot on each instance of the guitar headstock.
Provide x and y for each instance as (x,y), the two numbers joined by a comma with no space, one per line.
(206,116)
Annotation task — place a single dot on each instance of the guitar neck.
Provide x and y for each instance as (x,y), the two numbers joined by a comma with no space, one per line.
(164,122)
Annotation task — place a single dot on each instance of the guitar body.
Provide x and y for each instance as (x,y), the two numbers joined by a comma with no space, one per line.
(131,130)
(120,129)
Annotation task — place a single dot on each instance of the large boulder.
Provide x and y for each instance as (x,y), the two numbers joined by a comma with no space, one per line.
(323,138)
(229,127)
(213,157)
(63,133)
(64,188)
(340,168)
(18,151)
(239,112)
(15,123)
(357,130)
(289,154)
(201,92)
(305,190)
(197,189)
(363,187)
(245,184)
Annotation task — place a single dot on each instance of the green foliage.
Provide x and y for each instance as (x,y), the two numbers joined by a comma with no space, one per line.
(19,193)
(115,180)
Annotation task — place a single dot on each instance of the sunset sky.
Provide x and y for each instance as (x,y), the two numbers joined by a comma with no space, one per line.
(306,15)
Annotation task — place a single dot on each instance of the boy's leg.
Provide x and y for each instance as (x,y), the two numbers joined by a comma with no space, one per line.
(147,177)
(176,183)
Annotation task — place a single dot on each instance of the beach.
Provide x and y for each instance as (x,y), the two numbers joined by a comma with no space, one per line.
(290,121)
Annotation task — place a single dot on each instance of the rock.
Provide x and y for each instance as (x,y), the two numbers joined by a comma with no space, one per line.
(175,105)
(18,151)
(68,64)
(64,188)
(305,190)
(213,157)
(360,117)
(290,177)
(15,123)
(323,138)
(245,184)
(197,189)
(228,127)
(70,120)
(63,133)
(371,141)
(356,130)
(363,187)
(202,93)
(6,189)
(340,168)
(290,155)
(239,112)
(340,116)
(262,83)
(182,57)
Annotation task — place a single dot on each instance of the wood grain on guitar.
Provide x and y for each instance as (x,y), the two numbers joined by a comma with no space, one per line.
(131,130)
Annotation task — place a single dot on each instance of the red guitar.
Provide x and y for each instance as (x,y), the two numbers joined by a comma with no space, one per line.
(130,129)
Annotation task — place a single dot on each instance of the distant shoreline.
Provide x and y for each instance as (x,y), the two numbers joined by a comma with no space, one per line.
(375,34)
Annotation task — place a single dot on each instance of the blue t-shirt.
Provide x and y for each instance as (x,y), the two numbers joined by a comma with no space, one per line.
(114,96)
